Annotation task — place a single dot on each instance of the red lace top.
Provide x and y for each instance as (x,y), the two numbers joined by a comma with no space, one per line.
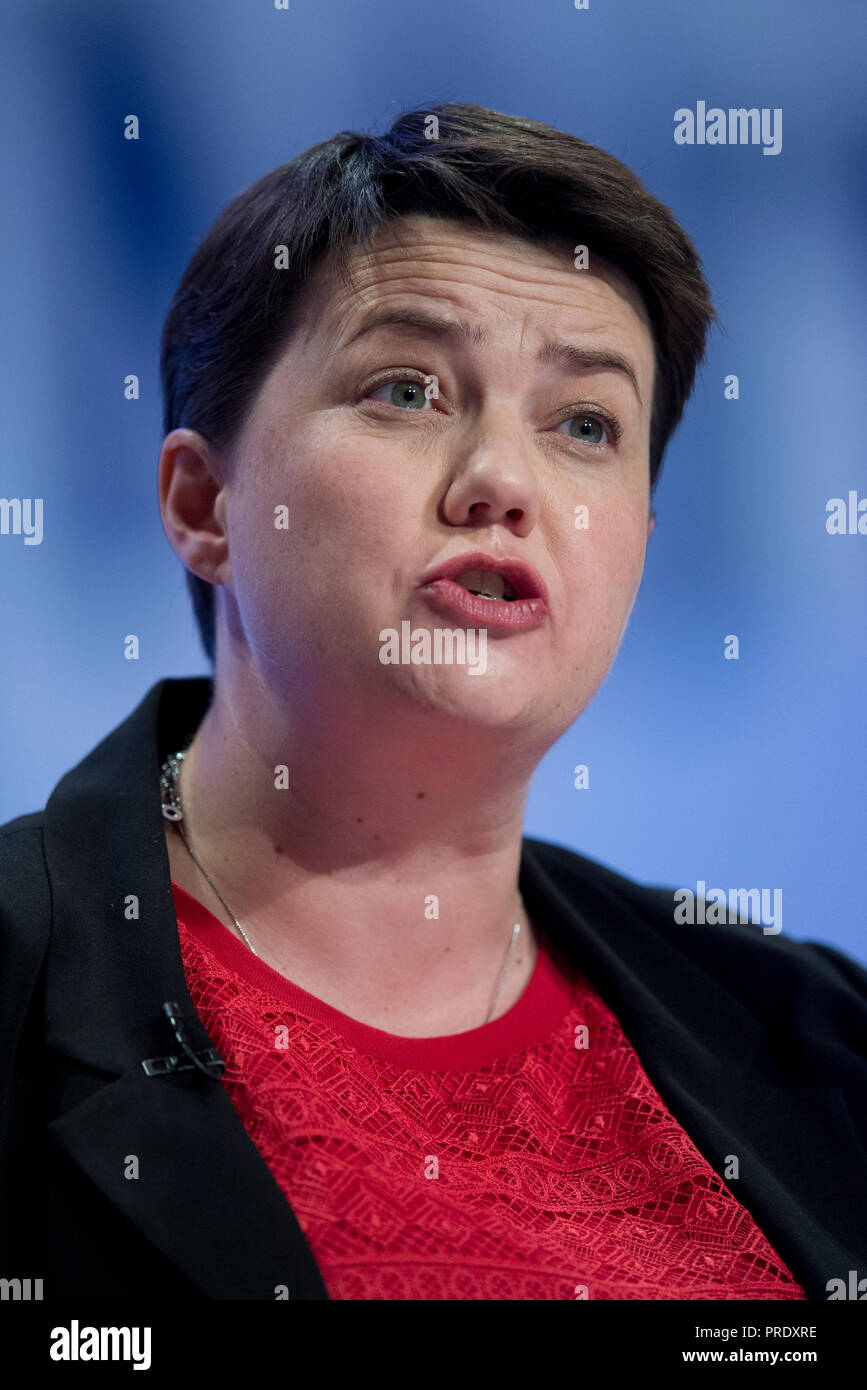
(524,1159)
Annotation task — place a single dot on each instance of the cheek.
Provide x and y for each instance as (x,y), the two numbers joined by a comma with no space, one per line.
(364,498)
(608,570)
(313,512)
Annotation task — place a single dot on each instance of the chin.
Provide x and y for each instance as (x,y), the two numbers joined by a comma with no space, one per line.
(485,701)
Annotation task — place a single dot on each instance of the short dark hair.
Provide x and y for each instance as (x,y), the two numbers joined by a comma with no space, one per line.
(232,312)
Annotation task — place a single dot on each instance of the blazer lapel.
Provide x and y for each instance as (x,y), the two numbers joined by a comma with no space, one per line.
(204,1195)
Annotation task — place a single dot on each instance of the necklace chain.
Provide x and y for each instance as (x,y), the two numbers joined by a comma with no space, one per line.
(173,811)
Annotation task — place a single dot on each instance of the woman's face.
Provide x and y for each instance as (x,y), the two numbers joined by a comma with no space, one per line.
(376,484)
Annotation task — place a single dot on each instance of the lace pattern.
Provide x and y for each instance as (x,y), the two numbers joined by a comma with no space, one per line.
(553,1170)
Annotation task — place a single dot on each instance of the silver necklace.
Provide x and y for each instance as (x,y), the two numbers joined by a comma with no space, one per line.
(173,811)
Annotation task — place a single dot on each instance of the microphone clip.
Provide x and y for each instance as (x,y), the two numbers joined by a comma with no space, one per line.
(160,1066)
(187,1059)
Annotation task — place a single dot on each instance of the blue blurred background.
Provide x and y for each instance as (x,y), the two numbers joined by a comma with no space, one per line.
(744,773)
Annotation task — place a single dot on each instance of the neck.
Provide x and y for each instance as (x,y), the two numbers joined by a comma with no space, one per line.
(386,869)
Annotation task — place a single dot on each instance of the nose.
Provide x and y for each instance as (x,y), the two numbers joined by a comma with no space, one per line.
(493,480)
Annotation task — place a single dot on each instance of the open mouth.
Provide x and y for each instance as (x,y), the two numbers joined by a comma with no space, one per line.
(512,588)
(503,593)
(487,584)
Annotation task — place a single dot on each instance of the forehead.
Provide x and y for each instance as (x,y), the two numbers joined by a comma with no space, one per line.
(503,282)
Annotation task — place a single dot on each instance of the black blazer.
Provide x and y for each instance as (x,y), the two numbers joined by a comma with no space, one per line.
(757,1044)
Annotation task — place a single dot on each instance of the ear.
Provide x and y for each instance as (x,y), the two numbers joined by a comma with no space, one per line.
(651,524)
(192,504)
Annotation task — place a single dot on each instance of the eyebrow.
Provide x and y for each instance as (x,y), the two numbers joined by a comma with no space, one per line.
(552,352)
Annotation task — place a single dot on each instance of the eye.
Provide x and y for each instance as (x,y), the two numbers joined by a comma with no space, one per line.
(591,427)
(404,392)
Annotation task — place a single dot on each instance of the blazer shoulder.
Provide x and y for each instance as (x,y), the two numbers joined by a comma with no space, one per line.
(739,953)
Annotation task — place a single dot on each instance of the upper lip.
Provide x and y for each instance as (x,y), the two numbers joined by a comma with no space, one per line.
(526,581)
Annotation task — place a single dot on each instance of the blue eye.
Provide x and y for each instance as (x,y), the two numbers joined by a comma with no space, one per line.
(404,393)
(591,428)
(407,393)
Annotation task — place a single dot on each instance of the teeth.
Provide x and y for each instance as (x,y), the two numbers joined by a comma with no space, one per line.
(486,583)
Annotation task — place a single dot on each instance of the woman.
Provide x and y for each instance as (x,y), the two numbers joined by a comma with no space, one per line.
(297,1011)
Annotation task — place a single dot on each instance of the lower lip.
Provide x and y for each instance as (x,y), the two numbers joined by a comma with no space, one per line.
(454,601)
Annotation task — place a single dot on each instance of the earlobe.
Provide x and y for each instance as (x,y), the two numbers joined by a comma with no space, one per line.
(651,524)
